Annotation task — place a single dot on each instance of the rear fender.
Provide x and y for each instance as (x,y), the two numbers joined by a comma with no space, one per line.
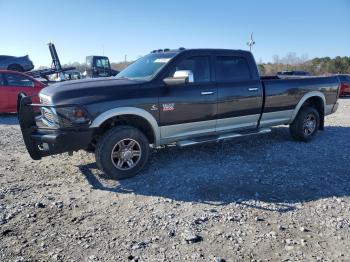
(306,97)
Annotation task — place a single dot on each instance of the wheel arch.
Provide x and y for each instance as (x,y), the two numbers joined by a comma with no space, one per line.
(16,65)
(138,115)
(315,98)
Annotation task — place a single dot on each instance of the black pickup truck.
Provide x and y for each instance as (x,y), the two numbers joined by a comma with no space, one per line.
(171,96)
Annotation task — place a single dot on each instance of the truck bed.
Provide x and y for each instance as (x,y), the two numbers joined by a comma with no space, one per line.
(282,96)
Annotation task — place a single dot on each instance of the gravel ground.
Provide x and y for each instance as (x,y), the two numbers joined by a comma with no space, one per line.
(252,199)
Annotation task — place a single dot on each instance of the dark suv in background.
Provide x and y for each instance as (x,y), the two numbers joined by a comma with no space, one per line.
(20,64)
(99,66)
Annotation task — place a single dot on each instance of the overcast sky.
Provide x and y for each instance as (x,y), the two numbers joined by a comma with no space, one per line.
(115,28)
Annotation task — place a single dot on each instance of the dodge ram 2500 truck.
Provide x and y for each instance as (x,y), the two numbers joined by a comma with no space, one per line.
(180,96)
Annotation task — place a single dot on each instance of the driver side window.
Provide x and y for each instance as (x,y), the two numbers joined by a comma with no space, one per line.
(198,65)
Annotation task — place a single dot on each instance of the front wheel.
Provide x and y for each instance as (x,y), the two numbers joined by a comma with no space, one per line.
(122,152)
(305,125)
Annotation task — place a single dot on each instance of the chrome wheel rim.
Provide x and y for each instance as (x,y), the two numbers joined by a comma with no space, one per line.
(126,154)
(309,125)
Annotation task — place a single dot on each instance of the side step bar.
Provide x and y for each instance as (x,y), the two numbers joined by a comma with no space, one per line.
(221,137)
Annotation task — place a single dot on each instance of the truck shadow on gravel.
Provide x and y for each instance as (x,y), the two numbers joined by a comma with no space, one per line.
(271,168)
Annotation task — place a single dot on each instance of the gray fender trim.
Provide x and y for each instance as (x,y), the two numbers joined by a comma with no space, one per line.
(306,97)
(98,121)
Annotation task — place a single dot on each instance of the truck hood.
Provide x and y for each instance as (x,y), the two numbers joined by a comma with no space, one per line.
(87,91)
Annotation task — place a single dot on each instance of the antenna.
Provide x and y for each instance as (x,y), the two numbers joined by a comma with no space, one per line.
(251,42)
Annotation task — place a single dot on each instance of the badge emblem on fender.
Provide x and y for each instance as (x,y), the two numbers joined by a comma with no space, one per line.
(169,107)
(154,107)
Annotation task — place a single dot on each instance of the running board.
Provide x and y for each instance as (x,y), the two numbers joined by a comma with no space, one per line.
(220,137)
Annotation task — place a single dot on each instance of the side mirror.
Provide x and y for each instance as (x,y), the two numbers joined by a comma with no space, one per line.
(179,78)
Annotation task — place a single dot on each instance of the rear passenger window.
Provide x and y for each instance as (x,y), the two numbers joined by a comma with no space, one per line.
(199,65)
(231,69)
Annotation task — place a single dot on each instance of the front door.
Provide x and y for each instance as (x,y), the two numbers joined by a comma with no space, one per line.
(240,94)
(189,109)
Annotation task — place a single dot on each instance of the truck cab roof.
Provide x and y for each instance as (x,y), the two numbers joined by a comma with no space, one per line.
(214,50)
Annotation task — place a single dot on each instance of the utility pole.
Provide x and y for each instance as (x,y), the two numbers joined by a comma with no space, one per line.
(125,59)
(251,42)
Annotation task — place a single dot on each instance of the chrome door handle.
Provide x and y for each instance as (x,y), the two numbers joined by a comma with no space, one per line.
(253,89)
(206,93)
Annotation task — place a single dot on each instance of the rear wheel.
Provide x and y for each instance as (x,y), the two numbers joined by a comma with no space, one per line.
(122,152)
(15,67)
(305,125)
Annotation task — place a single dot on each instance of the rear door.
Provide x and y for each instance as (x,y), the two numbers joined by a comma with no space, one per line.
(189,109)
(240,92)
(16,83)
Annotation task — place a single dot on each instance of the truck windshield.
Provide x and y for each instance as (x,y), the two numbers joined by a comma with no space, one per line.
(146,67)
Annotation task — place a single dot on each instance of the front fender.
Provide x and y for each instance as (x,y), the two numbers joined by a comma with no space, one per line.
(99,120)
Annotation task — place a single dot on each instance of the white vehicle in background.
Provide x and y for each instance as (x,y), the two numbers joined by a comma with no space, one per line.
(72,75)
(66,76)
(59,77)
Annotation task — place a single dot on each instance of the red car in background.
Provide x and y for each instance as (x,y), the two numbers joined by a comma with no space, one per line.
(344,85)
(11,84)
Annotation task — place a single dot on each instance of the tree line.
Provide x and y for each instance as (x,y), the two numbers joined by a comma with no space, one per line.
(315,66)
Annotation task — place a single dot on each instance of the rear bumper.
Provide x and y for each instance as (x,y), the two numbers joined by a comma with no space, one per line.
(40,141)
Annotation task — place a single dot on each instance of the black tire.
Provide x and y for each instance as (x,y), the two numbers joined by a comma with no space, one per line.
(114,141)
(305,125)
(15,67)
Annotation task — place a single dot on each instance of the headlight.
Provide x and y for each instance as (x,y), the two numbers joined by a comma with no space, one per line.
(71,116)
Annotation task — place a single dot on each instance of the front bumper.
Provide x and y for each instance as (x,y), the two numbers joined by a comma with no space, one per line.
(41,141)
